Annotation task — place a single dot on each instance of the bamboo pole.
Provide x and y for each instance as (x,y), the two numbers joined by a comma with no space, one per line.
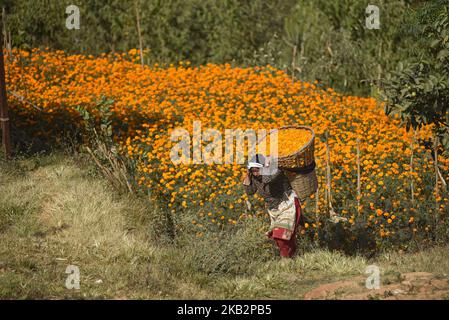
(435,150)
(295,48)
(328,174)
(317,209)
(139,33)
(443,182)
(25,100)
(6,35)
(359,192)
(4,118)
(412,189)
(334,217)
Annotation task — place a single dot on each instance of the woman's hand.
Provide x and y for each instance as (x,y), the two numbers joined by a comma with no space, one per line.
(245,179)
(269,233)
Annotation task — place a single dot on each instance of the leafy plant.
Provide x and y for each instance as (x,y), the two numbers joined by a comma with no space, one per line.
(100,145)
(418,90)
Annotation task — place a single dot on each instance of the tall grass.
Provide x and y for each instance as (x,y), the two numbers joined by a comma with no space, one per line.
(57,211)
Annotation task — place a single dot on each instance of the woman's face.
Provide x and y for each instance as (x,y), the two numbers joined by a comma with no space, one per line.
(255,171)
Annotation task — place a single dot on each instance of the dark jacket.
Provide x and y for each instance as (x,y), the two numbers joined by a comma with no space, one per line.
(273,188)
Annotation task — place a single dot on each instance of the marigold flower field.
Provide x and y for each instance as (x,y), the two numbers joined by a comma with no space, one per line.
(150,102)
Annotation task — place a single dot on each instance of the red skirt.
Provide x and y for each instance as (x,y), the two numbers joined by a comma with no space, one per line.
(286,239)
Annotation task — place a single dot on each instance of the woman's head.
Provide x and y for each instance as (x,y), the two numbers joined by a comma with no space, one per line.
(255,163)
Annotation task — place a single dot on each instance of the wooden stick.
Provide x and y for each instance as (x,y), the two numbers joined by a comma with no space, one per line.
(317,209)
(412,189)
(443,182)
(5,34)
(435,150)
(328,173)
(9,44)
(295,48)
(24,100)
(139,34)
(440,176)
(359,193)
(4,118)
(248,205)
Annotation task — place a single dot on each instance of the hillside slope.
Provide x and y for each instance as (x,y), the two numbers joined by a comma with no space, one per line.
(56,211)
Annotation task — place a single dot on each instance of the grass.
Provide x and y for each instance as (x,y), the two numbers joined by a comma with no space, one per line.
(56,211)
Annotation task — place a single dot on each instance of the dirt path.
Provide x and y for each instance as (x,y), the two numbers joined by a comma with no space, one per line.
(409,286)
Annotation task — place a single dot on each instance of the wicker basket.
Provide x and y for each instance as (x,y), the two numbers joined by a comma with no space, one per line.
(304,184)
(301,158)
(304,156)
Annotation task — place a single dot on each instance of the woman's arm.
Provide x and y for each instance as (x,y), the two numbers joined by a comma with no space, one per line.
(250,188)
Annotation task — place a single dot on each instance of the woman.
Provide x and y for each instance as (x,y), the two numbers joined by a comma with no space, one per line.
(281,202)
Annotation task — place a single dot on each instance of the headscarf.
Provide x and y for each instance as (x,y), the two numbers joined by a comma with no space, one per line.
(257,161)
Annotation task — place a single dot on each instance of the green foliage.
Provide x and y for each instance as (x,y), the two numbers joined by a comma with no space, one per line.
(118,169)
(105,25)
(418,90)
(332,43)
(197,30)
